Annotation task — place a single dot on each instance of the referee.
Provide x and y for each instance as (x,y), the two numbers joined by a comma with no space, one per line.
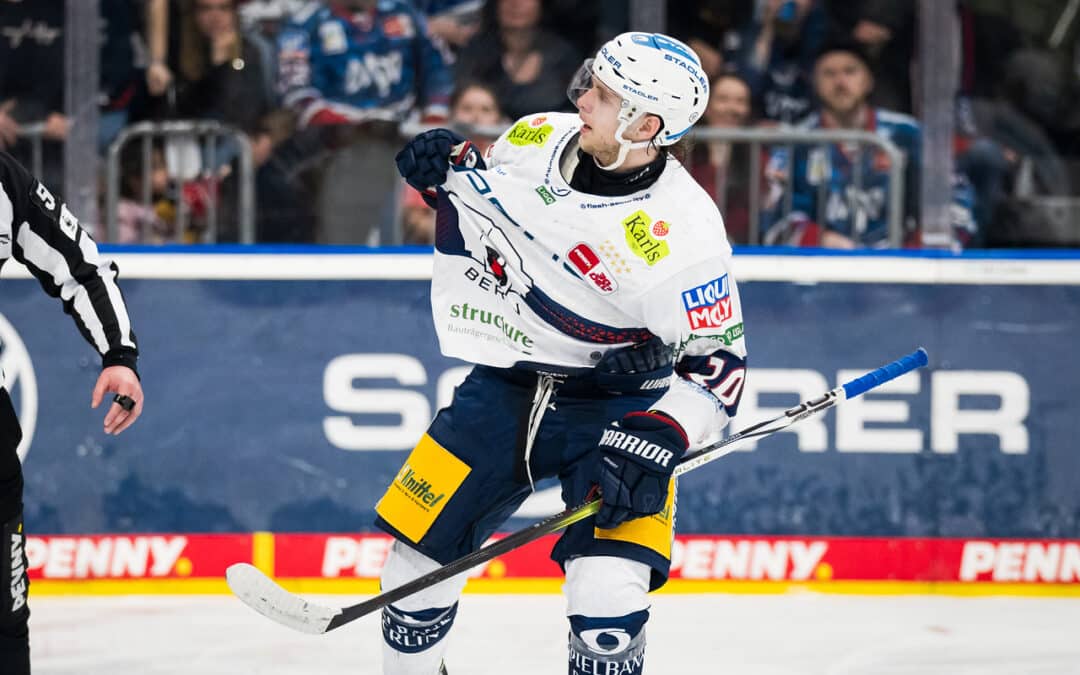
(39,231)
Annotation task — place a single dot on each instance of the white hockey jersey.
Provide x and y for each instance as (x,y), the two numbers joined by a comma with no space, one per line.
(530,272)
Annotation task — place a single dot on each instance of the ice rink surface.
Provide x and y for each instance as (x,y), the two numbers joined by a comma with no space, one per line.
(803,633)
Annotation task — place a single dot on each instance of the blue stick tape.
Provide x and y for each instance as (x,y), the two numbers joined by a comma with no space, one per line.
(860,385)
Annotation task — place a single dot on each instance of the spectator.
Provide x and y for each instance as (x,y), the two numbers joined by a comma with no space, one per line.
(710,27)
(455,22)
(352,70)
(831,207)
(138,221)
(775,54)
(267,17)
(224,73)
(587,25)
(526,65)
(158,73)
(1008,158)
(121,66)
(723,169)
(1049,61)
(472,106)
(886,31)
(32,82)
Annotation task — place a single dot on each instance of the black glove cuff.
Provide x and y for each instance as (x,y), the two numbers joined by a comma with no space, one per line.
(122,356)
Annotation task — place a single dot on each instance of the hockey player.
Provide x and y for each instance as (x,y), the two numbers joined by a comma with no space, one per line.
(588,276)
(38,230)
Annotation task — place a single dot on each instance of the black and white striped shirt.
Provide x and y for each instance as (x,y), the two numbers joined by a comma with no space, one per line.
(40,232)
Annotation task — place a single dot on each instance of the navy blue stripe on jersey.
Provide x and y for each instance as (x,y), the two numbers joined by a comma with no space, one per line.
(448,239)
(577,326)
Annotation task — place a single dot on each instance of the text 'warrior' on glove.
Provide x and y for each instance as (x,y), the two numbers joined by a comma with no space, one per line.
(424,160)
(638,454)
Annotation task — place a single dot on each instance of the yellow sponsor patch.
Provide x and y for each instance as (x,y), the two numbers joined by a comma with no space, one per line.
(427,480)
(533,132)
(644,239)
(655,532)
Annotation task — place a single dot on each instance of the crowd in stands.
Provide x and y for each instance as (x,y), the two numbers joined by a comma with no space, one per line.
(321,89)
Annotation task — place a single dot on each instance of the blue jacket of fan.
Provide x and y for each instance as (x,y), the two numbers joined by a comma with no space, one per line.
(339,65)
(827,187)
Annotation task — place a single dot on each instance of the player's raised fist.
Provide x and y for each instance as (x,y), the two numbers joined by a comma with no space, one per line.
(424,160)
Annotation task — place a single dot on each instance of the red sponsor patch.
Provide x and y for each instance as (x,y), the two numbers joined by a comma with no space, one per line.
(660,229)
(537,121)
(585,260)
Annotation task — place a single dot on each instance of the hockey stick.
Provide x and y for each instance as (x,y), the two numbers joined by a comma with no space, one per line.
(271,600)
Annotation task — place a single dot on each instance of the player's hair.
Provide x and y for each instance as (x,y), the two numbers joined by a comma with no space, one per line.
(680,149)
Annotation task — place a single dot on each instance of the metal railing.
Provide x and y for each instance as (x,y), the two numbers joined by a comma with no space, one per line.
(769,136)
(34,133)
(787,136)
(209,134)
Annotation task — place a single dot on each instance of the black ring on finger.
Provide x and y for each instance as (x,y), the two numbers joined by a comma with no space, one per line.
(125,402)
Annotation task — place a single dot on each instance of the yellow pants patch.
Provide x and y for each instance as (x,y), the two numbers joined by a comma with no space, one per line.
(426,482)
(655,532)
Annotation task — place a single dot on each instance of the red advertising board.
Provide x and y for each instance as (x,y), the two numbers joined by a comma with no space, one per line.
(802,560)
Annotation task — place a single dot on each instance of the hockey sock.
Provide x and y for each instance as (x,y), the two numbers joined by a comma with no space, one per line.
(607,605)
(412,639)
(608,645)
(415,628)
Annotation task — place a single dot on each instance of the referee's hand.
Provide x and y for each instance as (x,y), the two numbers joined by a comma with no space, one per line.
(121,381)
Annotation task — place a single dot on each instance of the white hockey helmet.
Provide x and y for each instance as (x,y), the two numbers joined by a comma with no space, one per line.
(653,74)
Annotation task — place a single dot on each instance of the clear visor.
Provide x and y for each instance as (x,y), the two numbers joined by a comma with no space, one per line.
(581,82)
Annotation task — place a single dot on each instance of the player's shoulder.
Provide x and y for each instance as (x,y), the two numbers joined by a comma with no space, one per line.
(532,138)
(676,226)
(678,192)
(538,128)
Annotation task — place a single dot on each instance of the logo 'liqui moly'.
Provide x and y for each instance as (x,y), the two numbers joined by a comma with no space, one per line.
(708,305)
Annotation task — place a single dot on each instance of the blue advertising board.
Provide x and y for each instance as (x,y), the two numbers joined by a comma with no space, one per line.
(286,401)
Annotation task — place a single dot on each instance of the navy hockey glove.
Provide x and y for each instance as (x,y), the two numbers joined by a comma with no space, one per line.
(645,366)
(637,457)
(424,160)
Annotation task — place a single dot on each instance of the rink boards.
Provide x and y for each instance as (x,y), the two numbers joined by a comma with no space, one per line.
(343,563)
(283,390)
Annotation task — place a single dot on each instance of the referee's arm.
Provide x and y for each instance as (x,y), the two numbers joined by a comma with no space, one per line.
(45,237)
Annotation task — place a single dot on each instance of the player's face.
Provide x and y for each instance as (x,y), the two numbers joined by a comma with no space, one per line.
(598,108)
(842,81)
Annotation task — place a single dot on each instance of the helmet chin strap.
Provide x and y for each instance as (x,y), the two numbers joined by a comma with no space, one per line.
(625,145)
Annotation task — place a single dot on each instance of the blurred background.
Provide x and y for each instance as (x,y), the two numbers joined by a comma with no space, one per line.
(236,159)
(211,121)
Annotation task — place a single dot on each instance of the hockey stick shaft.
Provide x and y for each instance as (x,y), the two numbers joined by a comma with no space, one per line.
(849,390)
